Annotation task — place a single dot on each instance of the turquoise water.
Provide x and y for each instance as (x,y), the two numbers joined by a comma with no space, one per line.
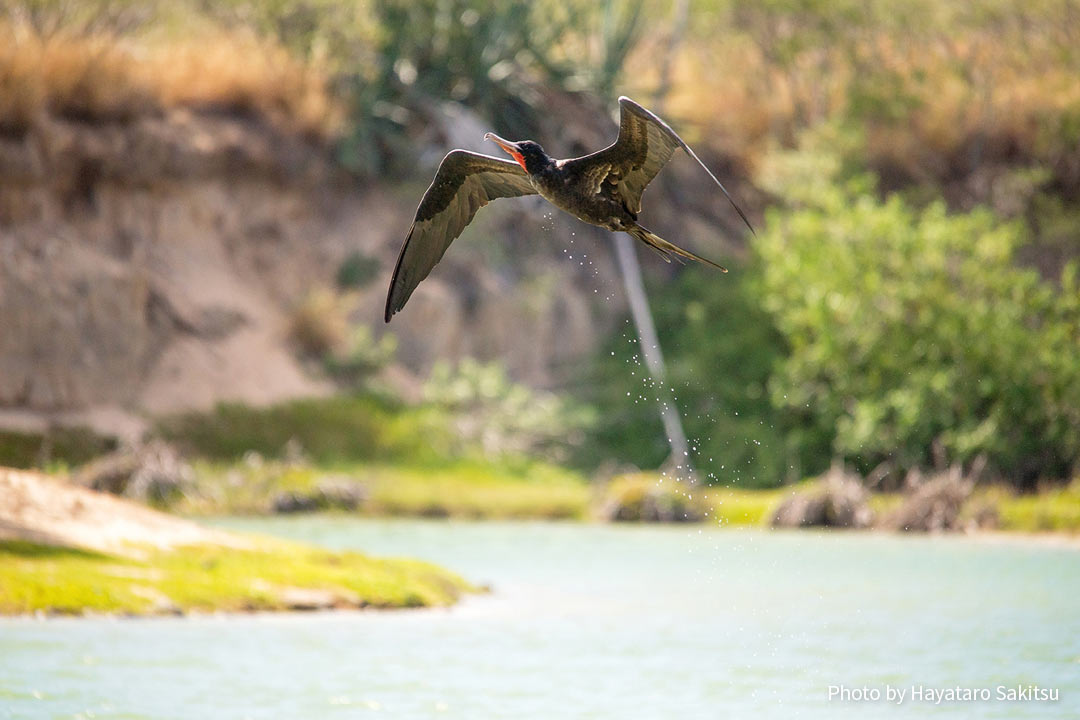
(595,622)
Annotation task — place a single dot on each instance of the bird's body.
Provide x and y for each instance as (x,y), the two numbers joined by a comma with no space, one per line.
(570,190)
(602,189)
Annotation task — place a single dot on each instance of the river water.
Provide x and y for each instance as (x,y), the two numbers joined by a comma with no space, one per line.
(590,621)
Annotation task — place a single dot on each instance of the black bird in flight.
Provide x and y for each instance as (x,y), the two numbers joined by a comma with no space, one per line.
(602,189)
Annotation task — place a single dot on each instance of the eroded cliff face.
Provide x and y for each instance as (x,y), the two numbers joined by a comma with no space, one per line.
(147,265)
(150,266)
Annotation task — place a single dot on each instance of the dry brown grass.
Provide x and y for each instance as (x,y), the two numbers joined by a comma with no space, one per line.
(103,78)
(929,103)
(236,73)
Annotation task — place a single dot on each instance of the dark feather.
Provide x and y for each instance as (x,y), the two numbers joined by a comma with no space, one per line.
(464,183)
(644,146)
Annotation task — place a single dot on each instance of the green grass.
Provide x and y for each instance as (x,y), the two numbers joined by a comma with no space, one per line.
(341,428)
(733,506)
(883,504)
(479,491)
(1055,509)
(209,578)
(473,489)
(406,458)
(1051,510)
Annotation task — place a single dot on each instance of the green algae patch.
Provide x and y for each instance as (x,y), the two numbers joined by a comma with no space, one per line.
(204,578)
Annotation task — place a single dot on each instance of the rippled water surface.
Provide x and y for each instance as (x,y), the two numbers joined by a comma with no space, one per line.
(595,622)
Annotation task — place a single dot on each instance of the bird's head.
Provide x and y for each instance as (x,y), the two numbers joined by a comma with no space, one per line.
(526,153)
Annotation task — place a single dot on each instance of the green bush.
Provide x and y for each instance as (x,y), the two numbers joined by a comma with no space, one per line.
(913,328)
(360,358)
(55,446)
(360,426)
(392,59)
(498,417)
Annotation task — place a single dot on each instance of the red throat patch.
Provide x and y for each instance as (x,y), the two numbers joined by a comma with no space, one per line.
(520,159)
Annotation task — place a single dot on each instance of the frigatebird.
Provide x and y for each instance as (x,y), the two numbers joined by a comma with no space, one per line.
(603,189)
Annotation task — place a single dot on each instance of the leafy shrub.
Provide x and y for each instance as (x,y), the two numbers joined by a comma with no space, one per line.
(361,357)
(913,328)
(392,58)
(361,426)
(56,446)
(500,417)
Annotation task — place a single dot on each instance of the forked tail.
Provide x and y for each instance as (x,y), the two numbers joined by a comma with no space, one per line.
(667,250)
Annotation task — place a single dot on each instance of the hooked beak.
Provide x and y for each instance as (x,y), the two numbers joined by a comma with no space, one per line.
(511,149)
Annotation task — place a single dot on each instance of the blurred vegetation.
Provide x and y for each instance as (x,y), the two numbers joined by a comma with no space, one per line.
(359,426)
(941,88)
(910,329)
(366,75)
(1055,508)
(501,417)
(208,578)
(462,488)
(56,447)
(489,56)
(478,490)
(114,61)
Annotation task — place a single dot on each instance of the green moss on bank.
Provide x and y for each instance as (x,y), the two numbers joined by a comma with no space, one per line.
(209,578)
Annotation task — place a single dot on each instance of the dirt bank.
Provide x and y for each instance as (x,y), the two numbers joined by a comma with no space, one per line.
(152,265)
(40,509)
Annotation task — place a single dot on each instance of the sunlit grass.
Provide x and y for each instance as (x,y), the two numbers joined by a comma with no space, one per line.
(405,459)
(1055,509)
(339,429)
(460,489)
(206,578)
(478,492)
(732,506)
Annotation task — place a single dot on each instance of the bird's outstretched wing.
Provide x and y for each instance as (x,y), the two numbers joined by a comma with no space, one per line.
(645,144)
(464,183)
